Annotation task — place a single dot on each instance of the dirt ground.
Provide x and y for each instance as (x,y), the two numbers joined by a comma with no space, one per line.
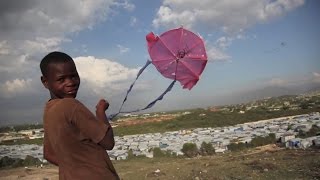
(135,121)
(48,172)
(267,162)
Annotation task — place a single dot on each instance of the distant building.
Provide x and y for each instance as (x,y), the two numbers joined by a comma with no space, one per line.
(286,137)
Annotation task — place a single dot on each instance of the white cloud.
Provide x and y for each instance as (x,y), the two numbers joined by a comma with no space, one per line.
(316,77)
(14,65)
(215,54)
(104,75)
(14,87)
(123,49)
(230,16)
(4,48)
(125,5)
(133,21)
(277,82)
(313,78)
(29,28)
(315,74)
(41,45)
(168,17)
(224,42)
(50,18)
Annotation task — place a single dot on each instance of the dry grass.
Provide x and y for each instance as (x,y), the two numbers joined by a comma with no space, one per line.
(261,163)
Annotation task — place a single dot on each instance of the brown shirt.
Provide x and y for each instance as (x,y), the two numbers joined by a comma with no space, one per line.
(71,138)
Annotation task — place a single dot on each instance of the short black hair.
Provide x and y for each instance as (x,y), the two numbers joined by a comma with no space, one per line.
(53,57)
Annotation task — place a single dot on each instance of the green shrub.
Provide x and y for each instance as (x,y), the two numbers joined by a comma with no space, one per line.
(158,153)
(31,161)
(237,146)
(24,141)
(257,141)
(132,156)
(7,161)
(260,141)
(206,149)
(190,149)
(314,131)
(16,162)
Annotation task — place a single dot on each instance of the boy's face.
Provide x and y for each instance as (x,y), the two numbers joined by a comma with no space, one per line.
(62,80)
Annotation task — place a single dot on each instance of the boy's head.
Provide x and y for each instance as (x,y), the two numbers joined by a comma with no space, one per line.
(59,75)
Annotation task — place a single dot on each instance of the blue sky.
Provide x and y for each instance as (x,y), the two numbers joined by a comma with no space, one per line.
(258,48)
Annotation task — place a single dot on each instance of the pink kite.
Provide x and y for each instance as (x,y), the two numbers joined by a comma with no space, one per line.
(178,54)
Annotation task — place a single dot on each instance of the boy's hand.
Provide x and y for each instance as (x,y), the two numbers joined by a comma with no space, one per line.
(108,140)
(102,105)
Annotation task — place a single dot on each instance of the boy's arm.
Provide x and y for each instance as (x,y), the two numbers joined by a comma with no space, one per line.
(108,140)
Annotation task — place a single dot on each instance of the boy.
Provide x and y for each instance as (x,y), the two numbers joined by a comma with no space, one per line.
(74,139)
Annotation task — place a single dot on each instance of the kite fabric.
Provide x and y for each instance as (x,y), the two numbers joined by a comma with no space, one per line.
(177,54)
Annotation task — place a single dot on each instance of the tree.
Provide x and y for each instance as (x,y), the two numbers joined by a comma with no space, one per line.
(206,149)
(190,149)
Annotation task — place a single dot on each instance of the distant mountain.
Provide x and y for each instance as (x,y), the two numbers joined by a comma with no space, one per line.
(269,91)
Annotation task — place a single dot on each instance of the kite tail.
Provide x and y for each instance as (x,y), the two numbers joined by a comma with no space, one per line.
(130,88)
(154,102)
(150,104)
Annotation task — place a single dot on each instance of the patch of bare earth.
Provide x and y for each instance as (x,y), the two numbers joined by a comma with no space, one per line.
(136,121)
(48,172)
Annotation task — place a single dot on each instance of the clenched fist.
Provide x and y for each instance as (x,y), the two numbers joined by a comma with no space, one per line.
(102,105)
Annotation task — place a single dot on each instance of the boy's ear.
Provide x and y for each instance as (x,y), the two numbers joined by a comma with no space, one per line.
(44,81)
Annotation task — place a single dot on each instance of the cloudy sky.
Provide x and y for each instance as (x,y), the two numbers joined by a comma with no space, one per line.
(252,46)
